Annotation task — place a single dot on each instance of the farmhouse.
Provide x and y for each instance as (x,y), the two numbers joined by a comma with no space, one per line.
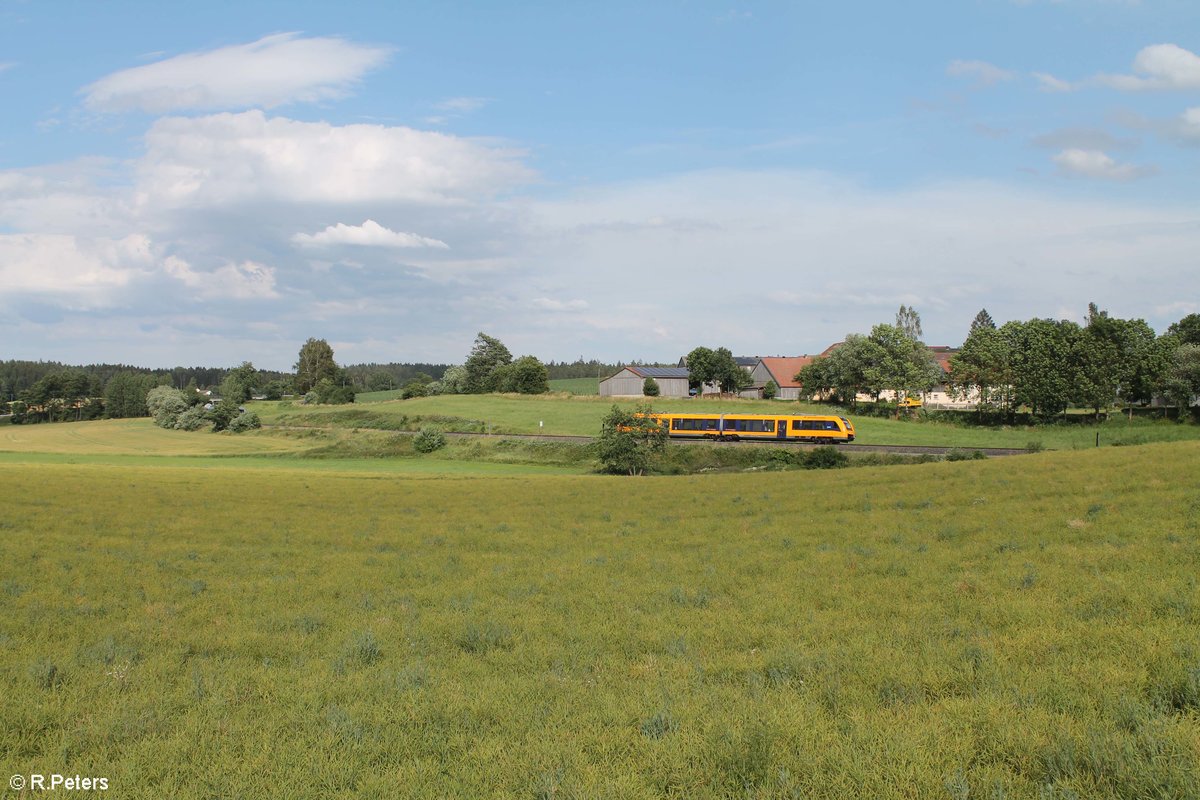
(782,371)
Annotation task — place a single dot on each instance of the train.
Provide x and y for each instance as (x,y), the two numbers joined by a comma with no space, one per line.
(734,427)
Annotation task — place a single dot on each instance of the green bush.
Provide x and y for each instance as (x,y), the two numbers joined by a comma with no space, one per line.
(192,420)
(246,421)
(826,457)
(414,389)
(428,440)
(165,405)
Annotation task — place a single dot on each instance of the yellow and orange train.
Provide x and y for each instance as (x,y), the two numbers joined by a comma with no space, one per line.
(733,427)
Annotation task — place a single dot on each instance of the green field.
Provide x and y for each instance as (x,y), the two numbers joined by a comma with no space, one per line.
(133,437)
(1016,628)
(585,386)
(581,416)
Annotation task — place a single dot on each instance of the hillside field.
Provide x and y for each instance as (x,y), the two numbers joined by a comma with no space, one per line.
(1011,628)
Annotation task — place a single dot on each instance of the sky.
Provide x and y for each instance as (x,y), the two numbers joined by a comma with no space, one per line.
(211,183)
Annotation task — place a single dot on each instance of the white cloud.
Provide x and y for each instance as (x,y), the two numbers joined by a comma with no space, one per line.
(245,281)
(1082,139)
(551,276)
(84,273)
(455,107)
(273,71)
(1078,163)
(1188,125)
(369,234)
(1159,66)
(229,158)
(73,198)
(550,304)
(1178,309)
(462,105)
(1049,83)
(983,73)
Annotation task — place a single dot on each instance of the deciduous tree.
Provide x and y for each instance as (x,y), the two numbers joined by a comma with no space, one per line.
(629,441)
(982,368)
(898,363)
(526,375)
(1183,376)
(1187,330)
(487,355)
(1043,367)
(314,364)
(702,368)
(842,373)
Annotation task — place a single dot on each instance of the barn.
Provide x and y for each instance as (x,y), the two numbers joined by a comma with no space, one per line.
(672,382)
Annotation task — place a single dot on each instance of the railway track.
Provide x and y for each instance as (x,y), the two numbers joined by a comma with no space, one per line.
(852,447)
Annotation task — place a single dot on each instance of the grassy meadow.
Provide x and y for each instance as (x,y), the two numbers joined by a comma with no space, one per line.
(580,415)
(1011,628)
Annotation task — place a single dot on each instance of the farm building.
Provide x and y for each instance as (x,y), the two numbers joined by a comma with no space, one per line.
(672,382)
(783,372)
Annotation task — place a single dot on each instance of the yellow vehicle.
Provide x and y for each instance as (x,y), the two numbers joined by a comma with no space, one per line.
(733,427)
(911,402)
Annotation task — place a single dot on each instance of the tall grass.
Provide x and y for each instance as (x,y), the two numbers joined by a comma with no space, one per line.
(1020,628)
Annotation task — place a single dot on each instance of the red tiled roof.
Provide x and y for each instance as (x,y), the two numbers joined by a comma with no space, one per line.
(784,370)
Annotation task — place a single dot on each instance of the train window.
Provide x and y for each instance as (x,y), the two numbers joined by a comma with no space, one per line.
(769,425)
(797,425)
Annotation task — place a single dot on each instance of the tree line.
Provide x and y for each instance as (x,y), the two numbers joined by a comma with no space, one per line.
(1048,365)
(60,394)
(1044,365)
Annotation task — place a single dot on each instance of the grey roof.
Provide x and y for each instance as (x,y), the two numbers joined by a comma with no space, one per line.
(659,372)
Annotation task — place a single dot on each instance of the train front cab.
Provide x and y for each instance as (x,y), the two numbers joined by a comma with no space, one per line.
(821,429)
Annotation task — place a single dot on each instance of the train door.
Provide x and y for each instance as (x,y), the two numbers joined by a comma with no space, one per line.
(781,428)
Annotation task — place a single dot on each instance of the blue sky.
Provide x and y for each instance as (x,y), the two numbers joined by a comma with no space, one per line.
(218,182)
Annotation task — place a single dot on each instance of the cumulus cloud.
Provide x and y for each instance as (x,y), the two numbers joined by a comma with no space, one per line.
(1187,127)
(245,281)
(550,276)
(229,158)
(273,71)
(1159,66)
(83,273)
(981,72)
(1079,163)
(369,234)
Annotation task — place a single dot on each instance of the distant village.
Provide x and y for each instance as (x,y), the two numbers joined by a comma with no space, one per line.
(673,382)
